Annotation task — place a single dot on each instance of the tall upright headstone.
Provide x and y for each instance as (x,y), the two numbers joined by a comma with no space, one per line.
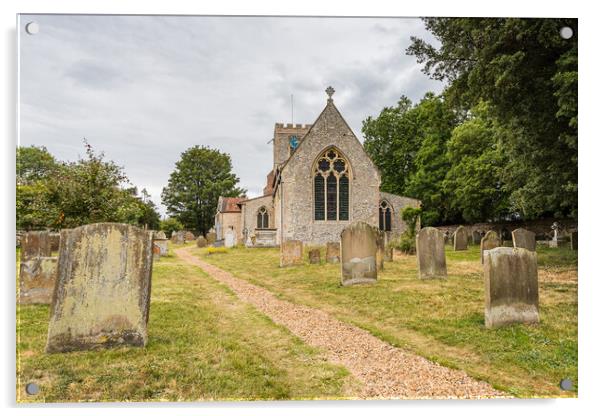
(314,256)
(230,238)
(35,244)
(333,252)
(524,239)
(476,237)
(102,293)
(178,237)
(380,250)
(37,269)
(359,246)
(291,253)
(430,254)
(554,242)
(511,286)
(490,241)
(460,239)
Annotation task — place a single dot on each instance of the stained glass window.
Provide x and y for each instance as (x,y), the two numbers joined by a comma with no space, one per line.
(331,187)
(384,216)
(319,197)
(263,220)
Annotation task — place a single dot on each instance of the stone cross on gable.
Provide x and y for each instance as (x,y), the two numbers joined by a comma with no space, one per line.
(329,91)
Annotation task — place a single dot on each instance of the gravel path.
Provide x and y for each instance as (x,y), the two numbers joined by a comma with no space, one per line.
(386,372)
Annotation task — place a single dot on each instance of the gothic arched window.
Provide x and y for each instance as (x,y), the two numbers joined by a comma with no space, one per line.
(331,187)
(384,216)
(263,219)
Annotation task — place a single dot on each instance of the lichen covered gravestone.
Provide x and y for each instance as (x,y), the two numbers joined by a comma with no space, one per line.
(189,236)
(359,246)
(523,239)
(160,235)
(102,292)
(380,250)
(460,239)
(178,237)
(430,254)
(333,252)
(37,277)
(314,256)
(489,242)
(291,253)
(511,287)
(211,237)
(35,244)
(201,242)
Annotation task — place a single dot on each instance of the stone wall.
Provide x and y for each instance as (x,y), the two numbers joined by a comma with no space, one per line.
(227,220)
(297,181)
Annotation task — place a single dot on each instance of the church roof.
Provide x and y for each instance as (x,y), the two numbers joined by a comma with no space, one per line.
(230,204)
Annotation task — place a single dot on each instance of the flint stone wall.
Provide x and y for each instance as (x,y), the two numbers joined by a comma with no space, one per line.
(359,248)
(430,254)
(102,292)
(511,286)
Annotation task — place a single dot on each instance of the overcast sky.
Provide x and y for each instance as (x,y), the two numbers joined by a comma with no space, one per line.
(144,89)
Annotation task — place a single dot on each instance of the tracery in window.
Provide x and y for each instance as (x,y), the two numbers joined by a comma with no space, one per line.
(331,187)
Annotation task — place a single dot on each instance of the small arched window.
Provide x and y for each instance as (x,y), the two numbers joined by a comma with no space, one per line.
(384,216)
(263,219)
(331,187)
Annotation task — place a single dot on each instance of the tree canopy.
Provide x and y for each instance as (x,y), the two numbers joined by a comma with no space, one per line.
(201,176)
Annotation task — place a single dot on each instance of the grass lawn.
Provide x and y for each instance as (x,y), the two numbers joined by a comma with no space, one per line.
(204,344)
(442,320)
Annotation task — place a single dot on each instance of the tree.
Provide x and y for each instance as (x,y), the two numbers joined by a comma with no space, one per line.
(170,225)
(201,176)
(33,164)
(528,75)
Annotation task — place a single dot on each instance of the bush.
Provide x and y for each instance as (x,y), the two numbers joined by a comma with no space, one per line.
(407,244)
(170,225)
(216,250)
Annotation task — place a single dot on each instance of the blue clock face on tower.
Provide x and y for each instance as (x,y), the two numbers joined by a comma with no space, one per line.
(294,142)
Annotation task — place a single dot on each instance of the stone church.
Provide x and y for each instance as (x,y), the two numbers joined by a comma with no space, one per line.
(321,181)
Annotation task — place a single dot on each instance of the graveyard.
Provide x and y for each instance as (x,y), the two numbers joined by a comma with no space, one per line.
(207,343)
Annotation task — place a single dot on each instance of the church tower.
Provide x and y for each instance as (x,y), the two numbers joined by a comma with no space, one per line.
(286,138)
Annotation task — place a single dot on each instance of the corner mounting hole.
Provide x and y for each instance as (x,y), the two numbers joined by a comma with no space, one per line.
(32,389)
(32,28)
(566,384)
(566,32)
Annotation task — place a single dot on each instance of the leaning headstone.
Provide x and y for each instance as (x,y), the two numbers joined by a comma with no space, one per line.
(333,252)
(511,287)
(476,237)
(430,254)
(489,242)
(36,280)
(314,256)
(189,236)
(201,242)
(102,293)
(35,244)
(178,237)
(573,237)
(359,246)
(291,253)
(460,239)
(230,238)
(524,239)
(211,237)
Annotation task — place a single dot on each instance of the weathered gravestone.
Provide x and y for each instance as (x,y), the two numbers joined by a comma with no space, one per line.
(211,237)
(178,237)
(380,249)
(359,246)
(230,238)
(489,242)
(333,252)
(102,293)
(35,244)
(37,277)
(291,253)
(161,243)
(189,236)
(389,253)
(201,242)
(460,239)
(430,254)
(573,237)
(522,238)
(476,237)
(156,251)
(511,288)
(314,256)
(160,235)
(55,240)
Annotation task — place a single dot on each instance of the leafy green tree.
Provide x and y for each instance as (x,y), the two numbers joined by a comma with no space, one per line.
(528,74)
(33,164)
(170,225)
(200,177)
(473,184)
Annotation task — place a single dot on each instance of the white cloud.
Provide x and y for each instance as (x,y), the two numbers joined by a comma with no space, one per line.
(143,89)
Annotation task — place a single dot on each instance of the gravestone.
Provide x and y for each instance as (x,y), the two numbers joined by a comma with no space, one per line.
(37,277)
(489,242)
(211,237)
(511,287)
(554,242)
(460,239)
(230,238)
(333,252)
(291,253)
(178,237)
(380,250)
(189,236)
(35,244)
(55,240)
(102,293)
(201,242)
(476,237)
(359,247)
(160,235)
(314,256)
(388,253)
(430,254)
(524,239)
(573,241)
(156,251)
(162,244)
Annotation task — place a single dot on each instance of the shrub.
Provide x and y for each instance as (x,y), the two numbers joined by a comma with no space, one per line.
(216,250)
